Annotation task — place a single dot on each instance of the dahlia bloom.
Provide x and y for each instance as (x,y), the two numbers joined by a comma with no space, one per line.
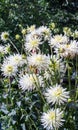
(56,95)
(52,118)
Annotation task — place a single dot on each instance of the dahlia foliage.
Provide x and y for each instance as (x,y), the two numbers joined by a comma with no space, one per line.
(45,65)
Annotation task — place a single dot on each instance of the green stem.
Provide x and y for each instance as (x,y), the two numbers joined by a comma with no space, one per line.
(9,88)
(69,76)
(40,93)
(38,88)
(33,124)
(69,79)
(23,44)
(76,72)
(55,117)
(14,46)
(51,51)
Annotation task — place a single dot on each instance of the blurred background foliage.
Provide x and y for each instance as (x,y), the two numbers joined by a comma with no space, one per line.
(38,12)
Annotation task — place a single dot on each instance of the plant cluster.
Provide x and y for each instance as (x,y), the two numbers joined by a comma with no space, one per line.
(39,79)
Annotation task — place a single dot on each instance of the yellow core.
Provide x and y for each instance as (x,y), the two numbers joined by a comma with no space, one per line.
(9,68)
(34,42)
(52,115)
(39,58)
(58,92)
(17,59)
(5,36)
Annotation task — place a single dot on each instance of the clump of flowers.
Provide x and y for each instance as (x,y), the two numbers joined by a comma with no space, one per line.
(42,68)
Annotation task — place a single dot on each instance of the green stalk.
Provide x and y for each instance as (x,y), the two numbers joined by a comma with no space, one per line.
(69,80)
(14,46)
(23,44)
(40,93)
(76,72)
(51,51)
(76,82)
(69,76)
(10,89)
(38,89)
(55,117)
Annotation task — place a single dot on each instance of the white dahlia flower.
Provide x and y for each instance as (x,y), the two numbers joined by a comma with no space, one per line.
(68,50)
(32,43)
(30,82)
(57,94)
(40,61)
(52,119)
(8,69)
(4,36)
(45,32)
(16,59)
(58,39)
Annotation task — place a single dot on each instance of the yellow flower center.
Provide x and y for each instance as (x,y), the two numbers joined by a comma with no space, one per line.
(58,92)
(9,68)
(34,42)
(39,59)
(52,115)
(5,36)
(17,59)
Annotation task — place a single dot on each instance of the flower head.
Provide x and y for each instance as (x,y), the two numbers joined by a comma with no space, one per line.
(4,36)
(40,61)
(30,81)
(52,118)
(45,32)
(57,94)
(58,39)
(16,59)
(8,69)
(68,50)
(32,42)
